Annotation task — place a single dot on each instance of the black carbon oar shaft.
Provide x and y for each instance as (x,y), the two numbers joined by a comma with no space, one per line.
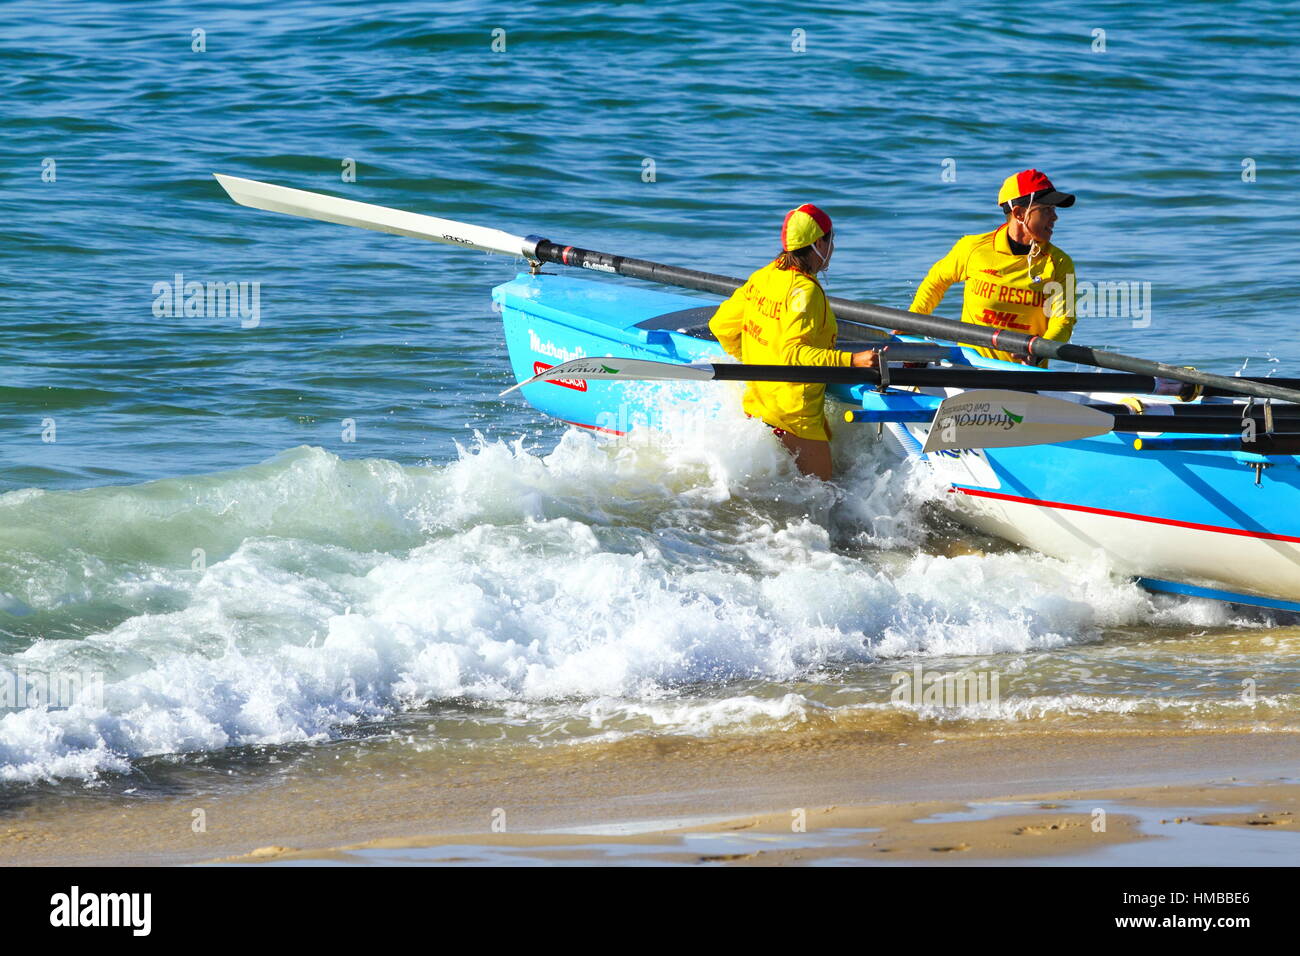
(1263,445)
(1029,381)
(948,330)
(1186,424)
(1288,413)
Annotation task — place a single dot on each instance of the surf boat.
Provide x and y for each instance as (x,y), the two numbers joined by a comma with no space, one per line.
(1186,480)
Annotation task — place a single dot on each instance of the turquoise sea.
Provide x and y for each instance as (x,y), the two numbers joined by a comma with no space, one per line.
(324,525)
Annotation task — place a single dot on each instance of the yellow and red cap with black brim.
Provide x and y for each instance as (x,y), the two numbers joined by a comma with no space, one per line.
(803,227)
(1032,183)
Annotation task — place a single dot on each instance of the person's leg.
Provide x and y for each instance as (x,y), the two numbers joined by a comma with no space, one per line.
(811,456)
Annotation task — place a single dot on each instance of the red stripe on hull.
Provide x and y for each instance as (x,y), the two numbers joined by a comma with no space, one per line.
(594,428)
(1124,514)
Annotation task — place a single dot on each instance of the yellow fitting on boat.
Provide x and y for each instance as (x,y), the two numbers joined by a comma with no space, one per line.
(848,415)
(1192,394)
(1134,403)
(1137,444)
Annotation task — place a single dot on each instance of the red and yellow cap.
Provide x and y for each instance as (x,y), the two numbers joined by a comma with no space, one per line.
(1031,181)
(803,227)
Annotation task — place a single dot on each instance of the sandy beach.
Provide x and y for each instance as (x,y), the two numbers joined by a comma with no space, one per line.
(1209,799)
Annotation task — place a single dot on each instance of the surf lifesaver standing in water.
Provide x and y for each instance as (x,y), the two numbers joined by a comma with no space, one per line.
(781,317)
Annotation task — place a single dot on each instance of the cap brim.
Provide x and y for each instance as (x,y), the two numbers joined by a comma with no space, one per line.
(1055,198)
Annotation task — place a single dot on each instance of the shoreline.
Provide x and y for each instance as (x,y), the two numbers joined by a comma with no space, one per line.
(1105,828)
(982,788)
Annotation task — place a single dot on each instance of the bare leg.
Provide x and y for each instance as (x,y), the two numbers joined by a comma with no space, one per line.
(811,457)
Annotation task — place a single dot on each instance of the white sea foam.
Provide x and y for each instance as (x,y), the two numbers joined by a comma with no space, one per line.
(338,591)
(615,718)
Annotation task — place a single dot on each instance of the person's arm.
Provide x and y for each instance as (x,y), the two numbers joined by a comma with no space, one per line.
(808,318)
(948,270)
(726,322)
(1060,317)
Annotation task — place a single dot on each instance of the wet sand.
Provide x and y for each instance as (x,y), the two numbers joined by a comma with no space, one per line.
(654,793)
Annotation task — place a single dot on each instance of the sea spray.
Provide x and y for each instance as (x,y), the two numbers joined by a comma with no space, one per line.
(338,593)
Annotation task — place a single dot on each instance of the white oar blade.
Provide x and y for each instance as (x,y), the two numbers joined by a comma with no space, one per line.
(997,418)
(628,370)
(348,212)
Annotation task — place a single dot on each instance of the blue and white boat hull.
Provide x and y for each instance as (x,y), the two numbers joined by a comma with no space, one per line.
(1195,519)
(1191,517)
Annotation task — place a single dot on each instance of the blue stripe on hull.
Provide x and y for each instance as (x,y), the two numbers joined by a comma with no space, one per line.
(1216,594)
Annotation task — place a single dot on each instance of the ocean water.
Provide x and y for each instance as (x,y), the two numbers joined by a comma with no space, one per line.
(324,528)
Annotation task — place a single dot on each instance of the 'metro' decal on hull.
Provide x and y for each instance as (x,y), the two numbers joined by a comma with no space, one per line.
(577,384)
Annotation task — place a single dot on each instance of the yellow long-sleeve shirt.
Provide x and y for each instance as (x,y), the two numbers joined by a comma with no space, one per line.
(781,317)
(1002,290)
